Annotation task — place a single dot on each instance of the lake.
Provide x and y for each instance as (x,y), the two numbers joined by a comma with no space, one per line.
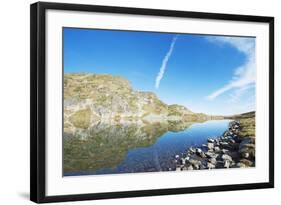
(134,146)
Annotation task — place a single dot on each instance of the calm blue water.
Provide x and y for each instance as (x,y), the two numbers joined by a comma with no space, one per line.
(159,155)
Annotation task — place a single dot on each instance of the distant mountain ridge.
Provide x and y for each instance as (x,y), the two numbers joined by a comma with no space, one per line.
(90,98)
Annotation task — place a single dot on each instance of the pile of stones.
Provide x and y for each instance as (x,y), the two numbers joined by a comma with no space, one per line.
(228,151)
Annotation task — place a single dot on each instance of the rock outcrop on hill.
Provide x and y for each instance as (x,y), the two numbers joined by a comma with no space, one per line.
(92,98)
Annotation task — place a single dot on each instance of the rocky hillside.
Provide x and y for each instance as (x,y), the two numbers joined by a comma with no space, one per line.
(89,98)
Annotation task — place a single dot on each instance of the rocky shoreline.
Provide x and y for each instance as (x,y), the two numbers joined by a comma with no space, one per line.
(231,150)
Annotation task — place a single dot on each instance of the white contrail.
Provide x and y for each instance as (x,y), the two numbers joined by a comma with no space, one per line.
(164,62)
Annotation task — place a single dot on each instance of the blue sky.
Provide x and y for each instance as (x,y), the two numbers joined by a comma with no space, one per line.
(209,74)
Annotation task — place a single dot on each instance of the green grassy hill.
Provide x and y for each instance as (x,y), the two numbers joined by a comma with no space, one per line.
(89,98)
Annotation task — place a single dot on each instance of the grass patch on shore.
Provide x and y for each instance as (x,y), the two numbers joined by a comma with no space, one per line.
(248,126)
(248,123)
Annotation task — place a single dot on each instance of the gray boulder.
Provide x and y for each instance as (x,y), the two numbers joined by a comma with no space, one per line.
(224,151)
(191,150)
(198,150)
(210,140)
(210,145)
(226,164)
(212,160)
(226,157)
(195,162)
(216,149)
(190,167)
(245,155)
(210,166)
(210,154)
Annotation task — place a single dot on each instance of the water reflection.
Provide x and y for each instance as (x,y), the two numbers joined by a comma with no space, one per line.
(132,146)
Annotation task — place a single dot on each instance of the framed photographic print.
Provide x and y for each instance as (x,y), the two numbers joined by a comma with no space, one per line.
(129,102)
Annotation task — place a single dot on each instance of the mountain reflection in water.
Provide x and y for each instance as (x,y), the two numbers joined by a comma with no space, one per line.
(133,146)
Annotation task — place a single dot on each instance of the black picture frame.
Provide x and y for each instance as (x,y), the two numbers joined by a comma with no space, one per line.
(38,101)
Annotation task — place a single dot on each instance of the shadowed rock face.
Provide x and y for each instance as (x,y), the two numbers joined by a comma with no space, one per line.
(106,145)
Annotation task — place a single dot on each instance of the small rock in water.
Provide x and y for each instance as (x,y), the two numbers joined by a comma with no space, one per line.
(211,140)
(192,150)
(204,145)
(198,150)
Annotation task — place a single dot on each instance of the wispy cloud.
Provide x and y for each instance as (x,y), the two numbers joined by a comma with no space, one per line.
(244,76)
(164,62)
(235,96)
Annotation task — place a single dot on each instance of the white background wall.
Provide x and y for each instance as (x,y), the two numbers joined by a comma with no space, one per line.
(14,100)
